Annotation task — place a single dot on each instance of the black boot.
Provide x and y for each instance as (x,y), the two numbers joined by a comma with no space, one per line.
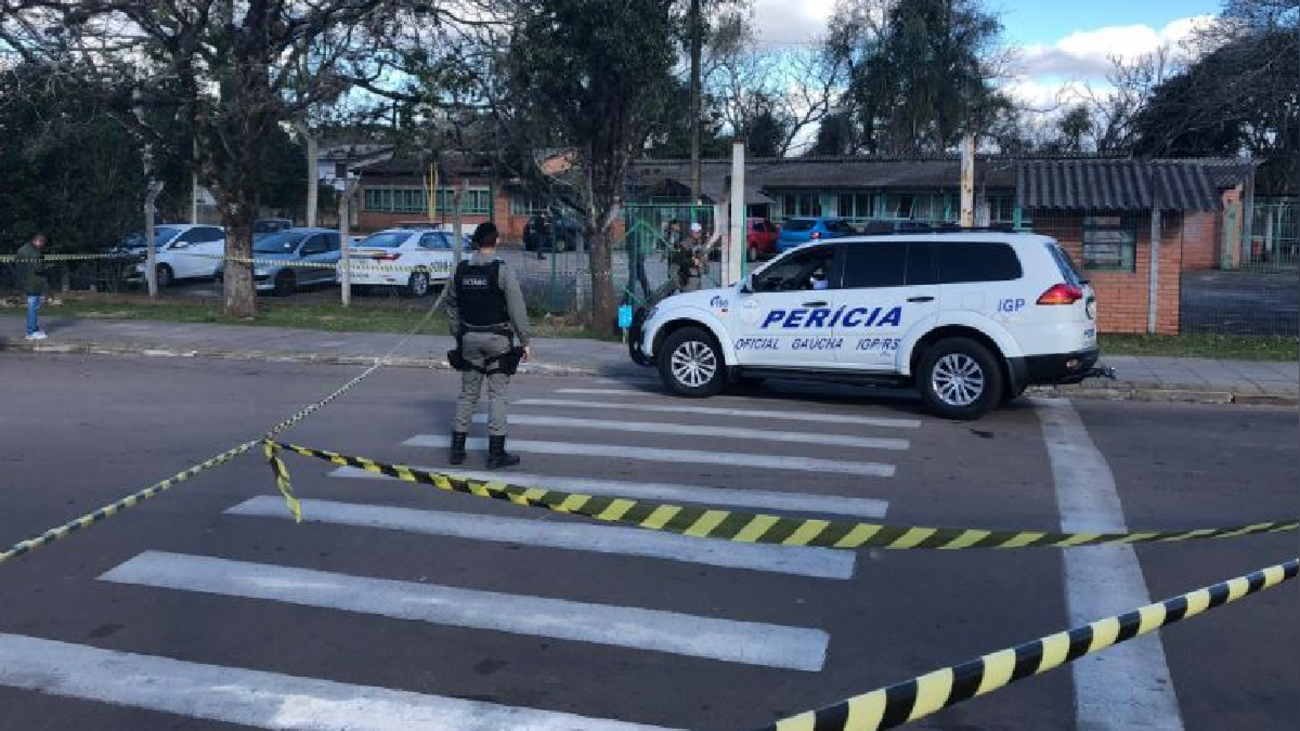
(497,455)
(457,455)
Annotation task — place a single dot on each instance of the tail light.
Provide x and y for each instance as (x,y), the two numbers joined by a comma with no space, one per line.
(1061,294)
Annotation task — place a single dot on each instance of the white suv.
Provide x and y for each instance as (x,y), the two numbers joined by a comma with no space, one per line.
(968,318)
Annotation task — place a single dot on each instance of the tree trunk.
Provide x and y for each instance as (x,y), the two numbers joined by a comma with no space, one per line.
(313,172)
(604,306)
(696,31)
(241,298)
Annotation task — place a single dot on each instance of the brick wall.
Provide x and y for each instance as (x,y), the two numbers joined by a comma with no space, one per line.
(1122,296)
(1200,240)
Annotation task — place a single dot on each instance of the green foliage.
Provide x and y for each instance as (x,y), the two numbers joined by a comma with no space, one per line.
(1241,96)
(68,168)
(922,79)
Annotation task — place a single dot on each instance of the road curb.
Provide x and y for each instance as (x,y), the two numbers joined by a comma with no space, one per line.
(163,351)
(1142,393)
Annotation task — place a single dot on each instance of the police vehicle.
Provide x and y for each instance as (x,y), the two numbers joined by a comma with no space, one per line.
(969,318)
(410,259)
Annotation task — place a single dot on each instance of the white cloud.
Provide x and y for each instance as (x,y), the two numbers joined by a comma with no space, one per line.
(782,21)
(1042,72)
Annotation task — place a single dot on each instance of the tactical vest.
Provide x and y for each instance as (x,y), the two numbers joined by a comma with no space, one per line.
(480,300)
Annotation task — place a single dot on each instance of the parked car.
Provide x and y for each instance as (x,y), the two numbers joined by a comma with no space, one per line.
(420,256)
(969,319)
(799,231)
(263,227)
(183,251)
(539,229)
(306,245)
(761,238)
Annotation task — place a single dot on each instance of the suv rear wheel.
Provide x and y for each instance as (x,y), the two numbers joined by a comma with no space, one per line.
(691,363)
(959,379)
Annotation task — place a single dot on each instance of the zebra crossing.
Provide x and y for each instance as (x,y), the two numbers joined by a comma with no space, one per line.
(709,435)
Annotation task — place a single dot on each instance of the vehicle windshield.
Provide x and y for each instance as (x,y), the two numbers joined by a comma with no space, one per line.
(388,240)
(281,243)
(267,227)
(161,235)
(798,224)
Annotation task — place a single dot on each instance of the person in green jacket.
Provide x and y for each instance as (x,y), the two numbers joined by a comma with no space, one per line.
(30,268)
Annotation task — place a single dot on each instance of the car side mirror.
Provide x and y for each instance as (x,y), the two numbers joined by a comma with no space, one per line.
(747,285)
(180,245)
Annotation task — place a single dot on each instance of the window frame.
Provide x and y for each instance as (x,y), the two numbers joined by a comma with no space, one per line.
(834,276)
(947,246)
(848,249)
(1127,224)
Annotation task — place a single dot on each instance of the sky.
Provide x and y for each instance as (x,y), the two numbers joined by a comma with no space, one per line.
(1061,46)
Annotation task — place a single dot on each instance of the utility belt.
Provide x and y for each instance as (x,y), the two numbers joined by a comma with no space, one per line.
(506,363)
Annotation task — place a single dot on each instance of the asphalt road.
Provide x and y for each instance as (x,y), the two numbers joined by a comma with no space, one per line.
(206,609)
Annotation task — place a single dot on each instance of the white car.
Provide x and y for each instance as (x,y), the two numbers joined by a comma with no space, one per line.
(184,251)
(967,318)
(412,259)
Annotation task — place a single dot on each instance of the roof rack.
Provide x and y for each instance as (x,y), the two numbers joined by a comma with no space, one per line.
(943,229)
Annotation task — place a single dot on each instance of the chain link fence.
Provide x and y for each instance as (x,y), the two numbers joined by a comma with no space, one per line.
(1254,287)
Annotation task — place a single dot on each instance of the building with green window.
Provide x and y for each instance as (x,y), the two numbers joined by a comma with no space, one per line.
(1100,208)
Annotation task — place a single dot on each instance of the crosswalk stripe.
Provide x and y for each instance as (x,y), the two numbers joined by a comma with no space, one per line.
(256,698)
(792,414)
(692,430)
(815,562)
(677,456)
(715,496)
(752,643)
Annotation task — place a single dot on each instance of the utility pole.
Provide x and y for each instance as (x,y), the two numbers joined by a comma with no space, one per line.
(151,246)
(458,224)
(968,181)
(696,31)
(738,224)
(349,190)
(194,185)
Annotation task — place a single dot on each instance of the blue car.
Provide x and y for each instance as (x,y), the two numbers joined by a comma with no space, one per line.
(799,231)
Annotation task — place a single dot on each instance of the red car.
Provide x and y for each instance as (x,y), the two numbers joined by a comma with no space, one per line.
(760,238)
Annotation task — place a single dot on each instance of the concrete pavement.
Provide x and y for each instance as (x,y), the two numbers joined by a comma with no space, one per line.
(1143,378)
(207,608)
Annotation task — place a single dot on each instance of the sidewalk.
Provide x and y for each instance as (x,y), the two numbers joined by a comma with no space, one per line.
(1145,378)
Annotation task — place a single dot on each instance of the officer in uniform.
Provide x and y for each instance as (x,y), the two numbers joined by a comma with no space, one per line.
(486,308)
(689,261)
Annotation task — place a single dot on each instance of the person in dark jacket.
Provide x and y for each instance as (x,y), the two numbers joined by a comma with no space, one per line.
(487,312)
(30,268)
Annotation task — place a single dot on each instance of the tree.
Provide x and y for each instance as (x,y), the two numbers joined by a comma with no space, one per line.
(770,99)
(69,168)
(223,69)
(921,72)
(1072,130)
(1241,96)
(590,75)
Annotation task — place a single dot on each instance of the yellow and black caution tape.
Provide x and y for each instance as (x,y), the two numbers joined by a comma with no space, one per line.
(354,262)
(921,696)
(12,258)
(130,501)
(757,527)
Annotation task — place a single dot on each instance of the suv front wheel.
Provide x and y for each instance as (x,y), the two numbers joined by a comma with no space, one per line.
(691,363)
(959,379)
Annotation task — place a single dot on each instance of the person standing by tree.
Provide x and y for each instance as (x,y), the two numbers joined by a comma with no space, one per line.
(689,261)
(31,271)
(486,307)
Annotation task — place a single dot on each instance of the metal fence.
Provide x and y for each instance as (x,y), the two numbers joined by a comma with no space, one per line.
(1254,288)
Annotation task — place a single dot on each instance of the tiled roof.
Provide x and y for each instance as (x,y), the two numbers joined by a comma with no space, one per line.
(1119,185)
